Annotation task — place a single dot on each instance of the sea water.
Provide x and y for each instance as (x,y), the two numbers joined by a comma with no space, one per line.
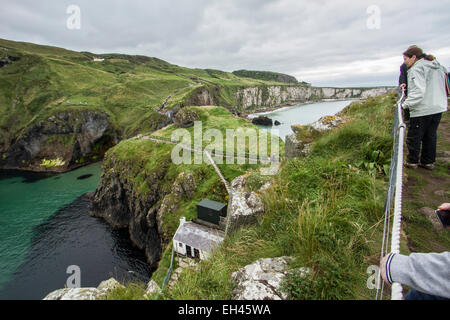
(45,228)
(301,114)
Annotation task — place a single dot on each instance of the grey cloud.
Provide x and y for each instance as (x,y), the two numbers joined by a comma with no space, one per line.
(289,36)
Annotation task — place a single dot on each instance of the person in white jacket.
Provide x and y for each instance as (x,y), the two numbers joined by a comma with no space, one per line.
(426,101)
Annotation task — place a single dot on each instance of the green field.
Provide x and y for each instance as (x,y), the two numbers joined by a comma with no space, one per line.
(130,88)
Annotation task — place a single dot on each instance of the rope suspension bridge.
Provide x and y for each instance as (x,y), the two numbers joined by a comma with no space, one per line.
(394,200)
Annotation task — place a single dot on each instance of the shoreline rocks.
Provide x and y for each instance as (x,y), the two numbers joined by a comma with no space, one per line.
(263,121)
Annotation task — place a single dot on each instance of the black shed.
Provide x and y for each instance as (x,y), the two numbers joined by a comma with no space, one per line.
(211,211)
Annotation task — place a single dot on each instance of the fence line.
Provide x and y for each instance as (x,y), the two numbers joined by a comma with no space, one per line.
(397,293)
(394,197)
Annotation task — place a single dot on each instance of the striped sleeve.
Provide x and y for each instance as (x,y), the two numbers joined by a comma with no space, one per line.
(388,267)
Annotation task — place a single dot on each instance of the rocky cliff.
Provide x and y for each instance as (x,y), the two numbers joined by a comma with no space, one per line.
(118,201)
(62,141)
(140,192)
(273,96)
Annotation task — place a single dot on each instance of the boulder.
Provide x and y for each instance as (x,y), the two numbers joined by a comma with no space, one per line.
(98,293)
(75,294)
(263,121)
(262,279)
(109,285)
(152,288)
(244,208)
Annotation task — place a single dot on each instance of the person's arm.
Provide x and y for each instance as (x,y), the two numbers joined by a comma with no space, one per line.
(416,89)
(403,75)
(426,272)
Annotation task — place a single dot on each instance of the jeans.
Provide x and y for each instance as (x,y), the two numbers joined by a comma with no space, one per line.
(422,135)
(417,295)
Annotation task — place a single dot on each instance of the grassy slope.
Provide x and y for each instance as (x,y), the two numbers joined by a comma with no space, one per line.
(130,88)
(138,159)
(326,211)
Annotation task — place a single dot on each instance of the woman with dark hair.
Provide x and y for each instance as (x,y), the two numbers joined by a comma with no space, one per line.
(426,101)
(403,85)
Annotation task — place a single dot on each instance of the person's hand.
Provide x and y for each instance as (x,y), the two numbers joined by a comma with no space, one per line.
(403,86)
(444,206)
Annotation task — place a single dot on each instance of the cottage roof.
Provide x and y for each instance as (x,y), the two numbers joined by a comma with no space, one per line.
(198,236)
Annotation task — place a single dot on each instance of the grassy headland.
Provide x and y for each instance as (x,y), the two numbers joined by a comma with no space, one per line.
(44,79)
(325,210)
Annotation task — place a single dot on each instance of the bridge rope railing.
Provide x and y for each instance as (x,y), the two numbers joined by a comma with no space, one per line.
(394,200)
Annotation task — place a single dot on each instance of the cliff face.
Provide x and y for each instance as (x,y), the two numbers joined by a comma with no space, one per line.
(63,141)
(273,96)
(141,194)
(118,201)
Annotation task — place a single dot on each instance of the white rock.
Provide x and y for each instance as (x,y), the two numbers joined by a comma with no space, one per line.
(98,293)
(244,208)
(261,280)
(152,287)
(76,294)
(109,285)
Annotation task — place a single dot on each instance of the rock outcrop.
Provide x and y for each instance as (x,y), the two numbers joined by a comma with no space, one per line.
(152,288)
(61,142)
(6,59)
(326,123)
(117,200)
(263,121)
(294,148)
(99,293)
(201,97)
(185,118)
(244,208)
(262,280)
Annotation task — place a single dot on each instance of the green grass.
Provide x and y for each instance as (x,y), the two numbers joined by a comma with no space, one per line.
(322,210)
(130,88)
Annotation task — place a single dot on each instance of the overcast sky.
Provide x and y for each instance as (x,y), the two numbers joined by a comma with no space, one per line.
(324,42)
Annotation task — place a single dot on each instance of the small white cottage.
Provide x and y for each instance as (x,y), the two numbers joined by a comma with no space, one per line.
(196,241)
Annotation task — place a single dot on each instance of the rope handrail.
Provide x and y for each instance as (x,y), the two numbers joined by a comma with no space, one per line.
(394,194)
(397,291)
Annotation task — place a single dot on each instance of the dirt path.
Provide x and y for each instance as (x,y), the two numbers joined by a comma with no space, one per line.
(424,191)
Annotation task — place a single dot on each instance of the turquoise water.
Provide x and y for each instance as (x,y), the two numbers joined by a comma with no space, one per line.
(301,114)
(25,205)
